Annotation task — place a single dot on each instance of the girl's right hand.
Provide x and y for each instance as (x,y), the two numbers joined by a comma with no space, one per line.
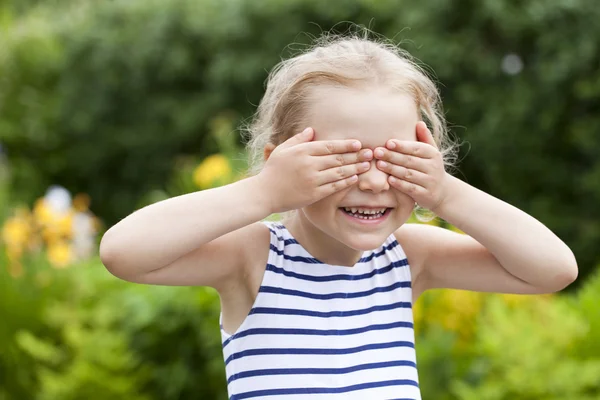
(300,172)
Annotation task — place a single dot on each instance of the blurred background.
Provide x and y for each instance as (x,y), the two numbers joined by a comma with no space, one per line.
(109,106)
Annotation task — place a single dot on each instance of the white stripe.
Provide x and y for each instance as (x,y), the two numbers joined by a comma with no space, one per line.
(320,360)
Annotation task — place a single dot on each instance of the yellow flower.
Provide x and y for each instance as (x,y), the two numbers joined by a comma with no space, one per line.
(16,231)
(60,254)
(213,167)
(42,212)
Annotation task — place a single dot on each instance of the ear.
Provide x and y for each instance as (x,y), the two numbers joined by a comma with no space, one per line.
(268,150)
(424,134)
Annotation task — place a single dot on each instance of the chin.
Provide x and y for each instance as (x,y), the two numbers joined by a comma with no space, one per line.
(366,242)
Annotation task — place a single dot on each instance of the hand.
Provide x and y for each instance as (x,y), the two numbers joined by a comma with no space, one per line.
(415,168)
(300,171)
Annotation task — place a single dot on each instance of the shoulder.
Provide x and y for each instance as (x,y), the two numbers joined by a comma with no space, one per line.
(257,238)
(414,240)
(250,245)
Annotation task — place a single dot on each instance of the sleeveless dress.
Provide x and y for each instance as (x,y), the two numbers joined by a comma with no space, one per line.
(319,331)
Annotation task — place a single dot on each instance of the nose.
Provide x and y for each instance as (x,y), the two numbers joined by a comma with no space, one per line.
(374,180)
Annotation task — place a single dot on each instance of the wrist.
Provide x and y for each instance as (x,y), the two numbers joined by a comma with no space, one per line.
(258,192)
(453,188)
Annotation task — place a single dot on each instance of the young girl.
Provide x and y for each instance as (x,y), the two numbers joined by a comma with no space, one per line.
(319,305)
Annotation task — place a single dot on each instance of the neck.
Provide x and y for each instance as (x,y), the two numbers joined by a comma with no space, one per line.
(319,244)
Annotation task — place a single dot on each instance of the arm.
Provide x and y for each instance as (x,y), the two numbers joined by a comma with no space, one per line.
(506,250)
(197,234)
(205,238)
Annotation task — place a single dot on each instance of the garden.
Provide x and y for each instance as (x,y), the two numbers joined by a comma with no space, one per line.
(106,107)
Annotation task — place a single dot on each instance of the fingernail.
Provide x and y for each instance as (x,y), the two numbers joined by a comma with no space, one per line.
(383,164)
(379,153)
(356,145)
(306,131)
(365,165)
(391,145)
(368,153)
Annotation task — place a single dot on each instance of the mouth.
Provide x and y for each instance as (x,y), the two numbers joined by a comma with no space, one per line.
(374,214)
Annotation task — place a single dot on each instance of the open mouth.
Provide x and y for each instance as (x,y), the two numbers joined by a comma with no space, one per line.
(362,213)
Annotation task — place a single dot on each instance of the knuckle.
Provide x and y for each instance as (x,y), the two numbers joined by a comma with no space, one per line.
(312,179)
(341,172)
(339,159)
(330,147)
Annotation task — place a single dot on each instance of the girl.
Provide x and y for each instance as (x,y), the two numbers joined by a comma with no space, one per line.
(319,305)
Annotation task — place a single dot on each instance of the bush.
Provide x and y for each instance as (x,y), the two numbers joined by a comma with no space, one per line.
(90,336)
(475,346)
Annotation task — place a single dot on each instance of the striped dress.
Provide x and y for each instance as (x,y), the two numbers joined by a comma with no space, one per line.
(319,331)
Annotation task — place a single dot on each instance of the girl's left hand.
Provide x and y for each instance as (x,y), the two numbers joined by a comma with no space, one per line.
(415,168)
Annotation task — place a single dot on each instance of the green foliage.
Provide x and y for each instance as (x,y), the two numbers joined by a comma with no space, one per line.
(527,353)
(585,304)
(83,334)
(523,347)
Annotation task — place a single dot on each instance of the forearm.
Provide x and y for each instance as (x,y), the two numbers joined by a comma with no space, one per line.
(159,234)
(522,245)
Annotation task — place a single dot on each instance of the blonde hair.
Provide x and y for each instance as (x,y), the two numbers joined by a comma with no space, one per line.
(349,61)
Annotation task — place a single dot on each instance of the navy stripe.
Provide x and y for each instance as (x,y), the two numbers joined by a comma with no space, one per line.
(285,241)
(318,332)
(312,260)
(339,295)
(306,260)
(328,351)
(277,392)
(328,314)
(320,371)
(382,252)
(339,277)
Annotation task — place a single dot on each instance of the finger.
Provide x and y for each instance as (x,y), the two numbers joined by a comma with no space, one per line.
(302,137)
(407,174)
(410,147)
(411,189)
(337,173)
(424,135)
(326,147)
(403,160)
(337,160)
(331,188)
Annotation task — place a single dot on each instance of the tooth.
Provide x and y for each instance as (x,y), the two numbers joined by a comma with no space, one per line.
(354,210)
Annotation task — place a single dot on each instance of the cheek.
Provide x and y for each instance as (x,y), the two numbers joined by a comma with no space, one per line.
(405,204)
(325,207)
(403,199)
